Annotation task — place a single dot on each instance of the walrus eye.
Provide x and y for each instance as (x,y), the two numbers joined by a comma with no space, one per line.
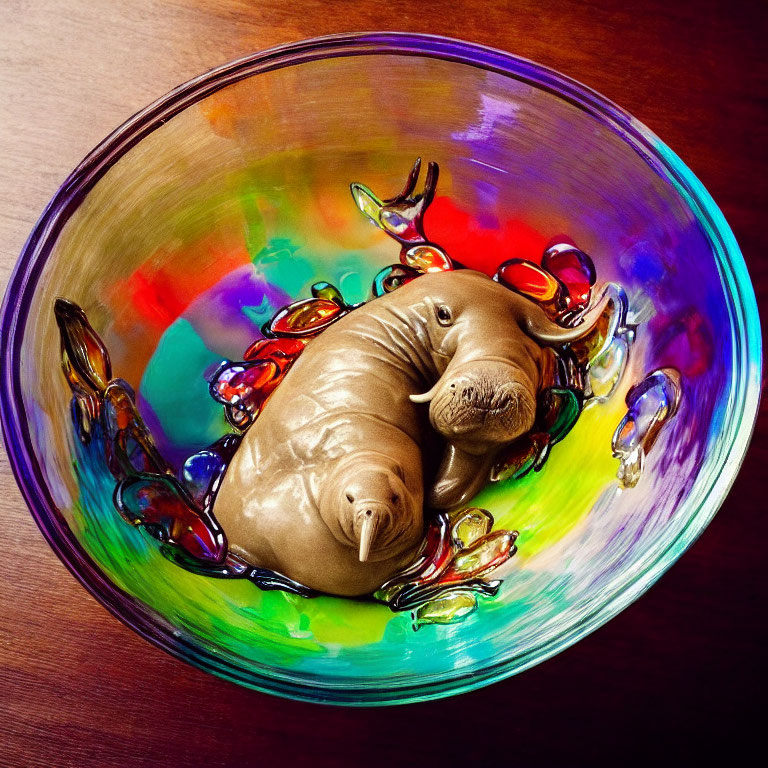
(350,498)
(395,498)
(444,316)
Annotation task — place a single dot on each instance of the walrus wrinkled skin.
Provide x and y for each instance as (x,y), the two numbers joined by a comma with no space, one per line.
(327,485)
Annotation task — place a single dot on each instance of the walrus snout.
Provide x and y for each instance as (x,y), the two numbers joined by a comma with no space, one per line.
(489,400)
(368,507)
(373,524)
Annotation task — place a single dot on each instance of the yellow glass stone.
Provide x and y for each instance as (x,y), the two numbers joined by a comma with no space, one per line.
(447,609)
(469,525)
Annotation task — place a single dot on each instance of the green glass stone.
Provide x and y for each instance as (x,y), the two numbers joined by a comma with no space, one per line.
(323,290)
(560,409)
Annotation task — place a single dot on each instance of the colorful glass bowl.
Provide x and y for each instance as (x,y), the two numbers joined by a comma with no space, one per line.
(188,227)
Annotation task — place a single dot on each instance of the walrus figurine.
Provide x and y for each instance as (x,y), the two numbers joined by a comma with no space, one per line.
(327,486)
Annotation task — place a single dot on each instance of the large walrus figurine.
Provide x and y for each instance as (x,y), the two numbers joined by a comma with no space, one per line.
(327,485)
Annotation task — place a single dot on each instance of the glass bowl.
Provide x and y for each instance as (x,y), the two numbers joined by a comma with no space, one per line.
(184,230)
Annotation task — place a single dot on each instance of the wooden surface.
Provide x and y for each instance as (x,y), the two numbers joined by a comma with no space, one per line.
(675,678)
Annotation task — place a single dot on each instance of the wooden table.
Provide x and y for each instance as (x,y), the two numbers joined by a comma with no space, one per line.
(675,677)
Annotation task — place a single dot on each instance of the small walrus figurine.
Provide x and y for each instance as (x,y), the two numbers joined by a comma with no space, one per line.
(327,485)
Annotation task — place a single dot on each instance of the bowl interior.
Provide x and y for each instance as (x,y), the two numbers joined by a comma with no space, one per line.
(226,210)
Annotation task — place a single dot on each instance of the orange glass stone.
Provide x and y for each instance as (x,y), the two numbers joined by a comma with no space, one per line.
(426,258)
(306,318)
(129,445)
(85,359)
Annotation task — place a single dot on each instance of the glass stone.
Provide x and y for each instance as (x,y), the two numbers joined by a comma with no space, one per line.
(610,323)
(483,556)
(391,278)
(243,388)
(199,472)
(159,504)
(575,269)
(559,409)
(328,292)
(85,359)
(446,609)
(426,258)
(607,369)
(307,317)
(530,279)
(281,351)
(202,472)
(402,216)
(469,525)
(650,403)
(367,203)
(518,459)
(435,555)
(128,443)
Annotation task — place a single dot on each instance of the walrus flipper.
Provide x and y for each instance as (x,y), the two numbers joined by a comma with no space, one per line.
(460,477)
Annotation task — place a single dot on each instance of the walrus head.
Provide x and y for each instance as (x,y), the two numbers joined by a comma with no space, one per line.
(493,340)
(487,399)
(366,504)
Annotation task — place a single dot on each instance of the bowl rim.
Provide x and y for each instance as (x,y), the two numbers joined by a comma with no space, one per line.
(18,295)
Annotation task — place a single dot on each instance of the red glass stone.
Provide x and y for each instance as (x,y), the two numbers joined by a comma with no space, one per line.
(238,382)
(575,269)
(529,279)
(566,257)
(245,387)
(435,556)
(159,504)
(278,351)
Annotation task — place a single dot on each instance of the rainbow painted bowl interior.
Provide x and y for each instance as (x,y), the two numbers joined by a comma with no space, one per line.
(184,232)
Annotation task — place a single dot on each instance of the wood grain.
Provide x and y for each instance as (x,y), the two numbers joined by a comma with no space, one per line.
(674,678)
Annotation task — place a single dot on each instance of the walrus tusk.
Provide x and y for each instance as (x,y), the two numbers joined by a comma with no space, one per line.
(426,397)
(367,533)
(541,329)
